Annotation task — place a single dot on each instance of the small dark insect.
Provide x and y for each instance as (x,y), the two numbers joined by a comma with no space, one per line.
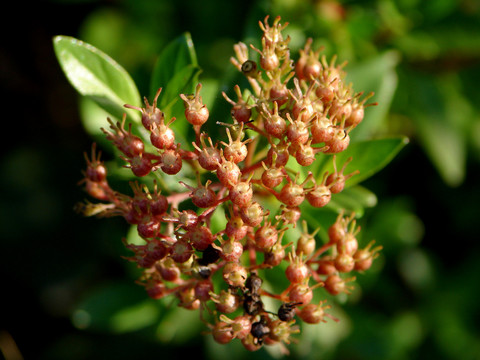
(259,330)
(249,67)
(286,312)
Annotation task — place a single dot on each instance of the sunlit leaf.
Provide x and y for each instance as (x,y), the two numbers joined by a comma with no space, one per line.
(96,76)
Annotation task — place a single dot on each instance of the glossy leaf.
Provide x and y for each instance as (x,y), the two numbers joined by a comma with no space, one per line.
(96,76)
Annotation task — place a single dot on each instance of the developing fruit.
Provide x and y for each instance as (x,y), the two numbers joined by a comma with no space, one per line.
(339,141)
(292,194)
(297,271)
(171,162)
(241,111)
(313,313)
(274,124)
(236,150)
(337,179)
(228,173)
(203,196)
(266,236)
(232,250)
(161,136)
(253,214)
(241,194)
(234,274)
(195,111)
(150,114)
(320,195)
(208,156)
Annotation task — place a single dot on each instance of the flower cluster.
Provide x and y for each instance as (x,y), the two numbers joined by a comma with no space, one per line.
(220,272)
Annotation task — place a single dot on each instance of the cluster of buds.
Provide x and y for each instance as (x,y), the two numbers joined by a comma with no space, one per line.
(221,273)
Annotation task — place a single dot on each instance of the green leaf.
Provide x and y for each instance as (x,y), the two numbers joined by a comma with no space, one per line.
(321,218)
(436,43)
(172,105)
(444,146)
(177,55)
(353,199)
(362,195)
(178,326)
(117,308)
(443,117)
(93,119)
(210,91)
(374,75)
(368,157)
(96,76)
(181,83)
(176,72)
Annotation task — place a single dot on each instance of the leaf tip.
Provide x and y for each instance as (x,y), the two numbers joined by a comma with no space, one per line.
(56,40)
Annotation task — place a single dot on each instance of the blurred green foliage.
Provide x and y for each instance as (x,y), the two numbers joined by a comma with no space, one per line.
(420,299)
